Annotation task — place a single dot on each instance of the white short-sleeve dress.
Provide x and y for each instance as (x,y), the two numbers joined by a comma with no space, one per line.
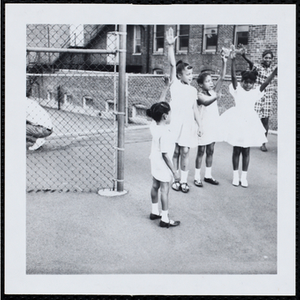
(183,124)
(241,124)
(211,127)
(162,142)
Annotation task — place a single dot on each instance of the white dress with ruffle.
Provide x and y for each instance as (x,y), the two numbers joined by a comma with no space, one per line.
(241,124)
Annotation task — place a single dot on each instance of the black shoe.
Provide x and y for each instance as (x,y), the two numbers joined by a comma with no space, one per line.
(211,181)
(170,224)
(154,217)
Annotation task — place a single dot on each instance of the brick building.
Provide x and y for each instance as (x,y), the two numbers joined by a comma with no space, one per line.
(200,45)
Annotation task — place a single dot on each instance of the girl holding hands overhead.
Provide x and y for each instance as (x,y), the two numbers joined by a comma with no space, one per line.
(210,123)
(241,123)
(185,123)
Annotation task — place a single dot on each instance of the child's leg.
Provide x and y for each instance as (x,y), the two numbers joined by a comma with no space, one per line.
(209,159)
(198,162)
(209,154)
(236,157)
(165,221)
(184,161)
(235,164)
(154,196)
(246,160)
(176,155)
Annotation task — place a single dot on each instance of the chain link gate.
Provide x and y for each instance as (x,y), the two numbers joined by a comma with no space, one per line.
(72,74)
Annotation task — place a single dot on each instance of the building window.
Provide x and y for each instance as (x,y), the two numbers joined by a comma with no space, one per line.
(241,35)
(182,43)
(137,39)
(158,71)
(159,38)
(76,35)
(210,38)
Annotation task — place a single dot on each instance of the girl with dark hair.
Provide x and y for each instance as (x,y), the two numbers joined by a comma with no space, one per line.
(185,114)
(162,169)
(264,105)
(210,123)
(241,123)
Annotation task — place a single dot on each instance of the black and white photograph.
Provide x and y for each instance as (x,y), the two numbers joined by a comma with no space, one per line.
(158,156)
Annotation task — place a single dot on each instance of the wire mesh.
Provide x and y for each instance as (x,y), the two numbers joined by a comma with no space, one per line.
(76,87)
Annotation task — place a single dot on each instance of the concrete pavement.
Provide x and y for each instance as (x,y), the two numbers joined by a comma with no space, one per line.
(224,229)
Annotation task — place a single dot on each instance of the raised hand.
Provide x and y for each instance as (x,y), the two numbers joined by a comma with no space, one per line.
(232,52)
(170,36)
(166,80)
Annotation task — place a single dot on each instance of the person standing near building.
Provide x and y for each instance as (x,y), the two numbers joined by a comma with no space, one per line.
(38,124)
(264,105)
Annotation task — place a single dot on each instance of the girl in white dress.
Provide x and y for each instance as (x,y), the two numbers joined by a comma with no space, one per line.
(162,168)
(185,123)
(210,123)
(242,126)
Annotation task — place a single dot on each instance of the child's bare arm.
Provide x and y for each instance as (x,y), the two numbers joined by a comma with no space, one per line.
(171,56)
(223,73)
(243,54)
(206,99)
(233,74)
(165,89)
(268,80)
(169,163)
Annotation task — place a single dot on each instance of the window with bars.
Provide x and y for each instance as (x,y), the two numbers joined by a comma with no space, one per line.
(210,38)
(137,37)
(241,35)
(182,43)
(159,38)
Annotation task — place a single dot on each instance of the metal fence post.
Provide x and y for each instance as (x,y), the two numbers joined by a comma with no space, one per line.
(121,108)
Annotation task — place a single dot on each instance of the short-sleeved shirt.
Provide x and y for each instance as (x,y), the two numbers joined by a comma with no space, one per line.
(162,142)
(37,115)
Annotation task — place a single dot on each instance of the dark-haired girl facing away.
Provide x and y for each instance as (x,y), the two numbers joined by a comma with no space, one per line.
(210,123)
(185,122)
(241,124)
(162,169)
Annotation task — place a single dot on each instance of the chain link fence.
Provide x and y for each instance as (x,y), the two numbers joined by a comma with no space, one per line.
(71,74)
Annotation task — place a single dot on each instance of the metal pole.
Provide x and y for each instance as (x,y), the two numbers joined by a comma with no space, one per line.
(121,108)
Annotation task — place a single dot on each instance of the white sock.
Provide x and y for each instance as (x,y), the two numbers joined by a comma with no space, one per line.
(235,174)
(244,175)
(184,176)
(165,216)
(155,209)
(236,179)
(208,172)
(197,174)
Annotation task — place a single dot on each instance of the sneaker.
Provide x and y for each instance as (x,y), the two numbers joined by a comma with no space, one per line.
(38,144)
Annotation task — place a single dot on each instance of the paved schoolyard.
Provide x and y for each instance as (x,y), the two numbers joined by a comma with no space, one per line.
(224,229)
